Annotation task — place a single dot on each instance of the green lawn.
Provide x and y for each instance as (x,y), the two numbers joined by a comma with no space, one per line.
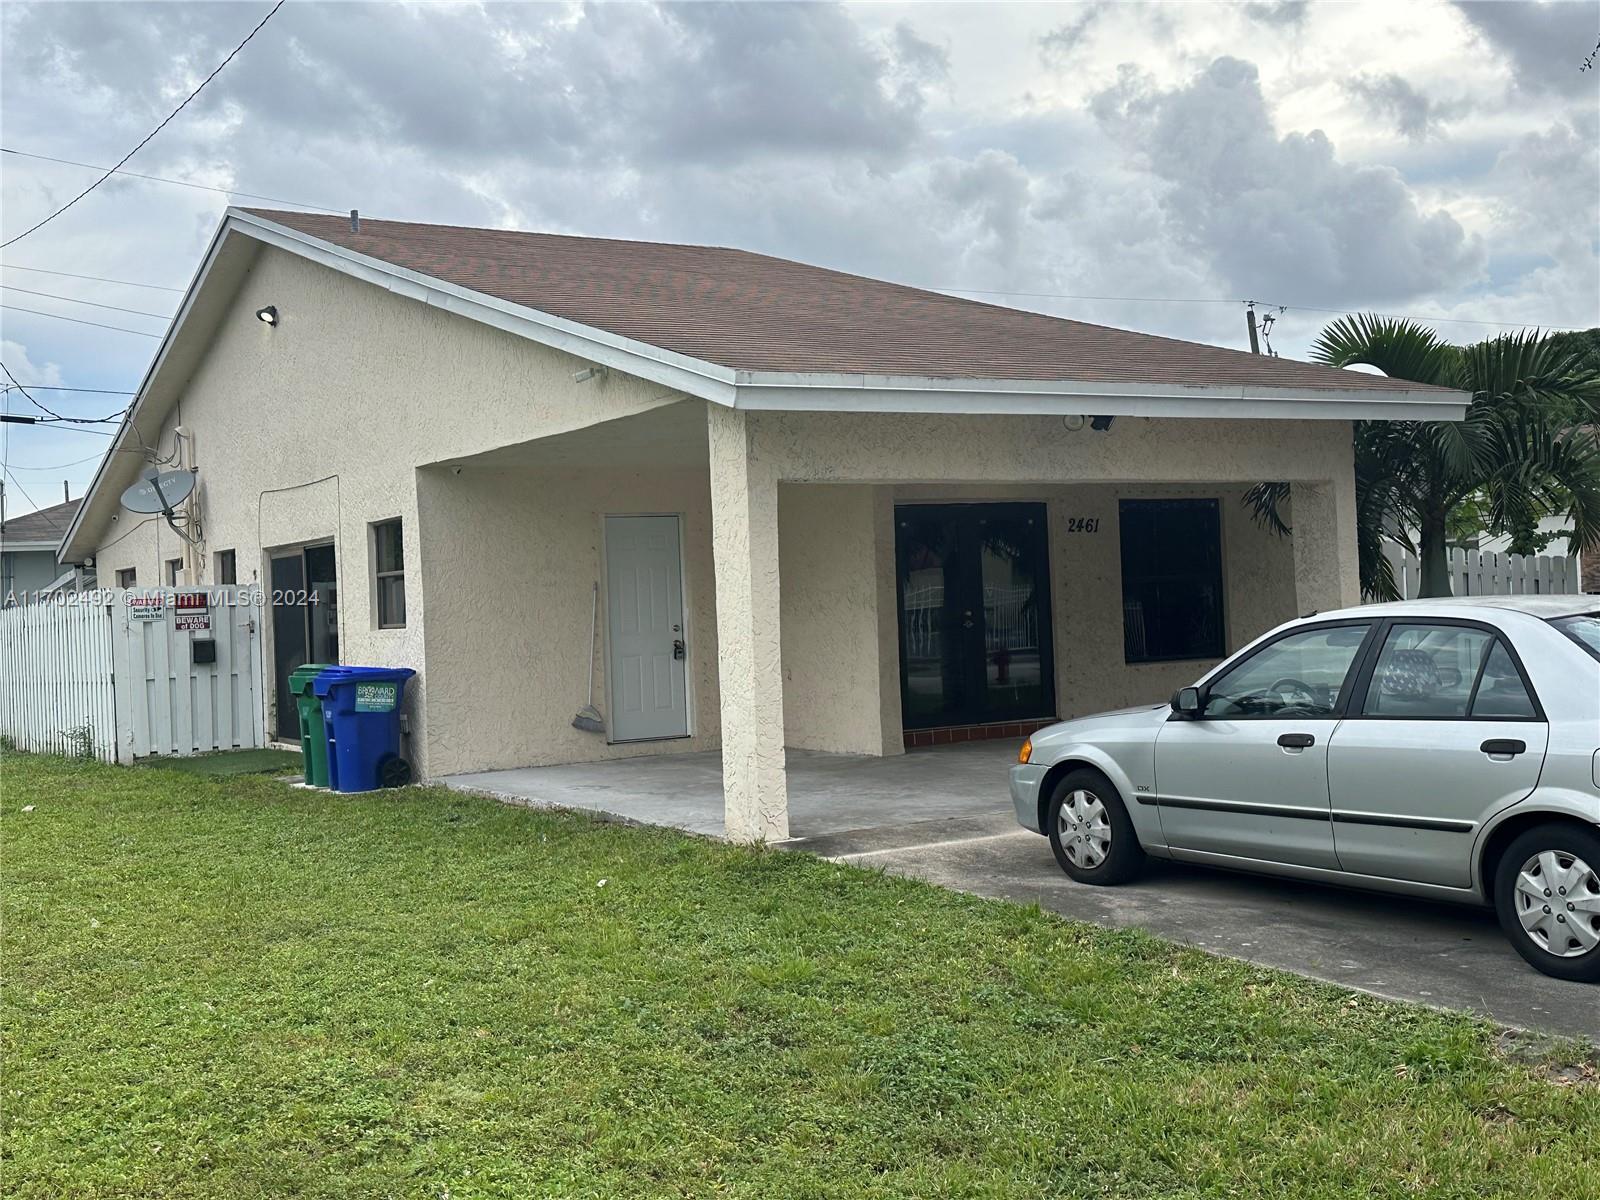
(233,988)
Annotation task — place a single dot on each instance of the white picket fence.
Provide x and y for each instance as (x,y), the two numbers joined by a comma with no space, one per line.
(86,675)
(1476,573)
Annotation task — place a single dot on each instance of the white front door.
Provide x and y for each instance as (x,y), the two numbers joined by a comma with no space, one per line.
(645,647)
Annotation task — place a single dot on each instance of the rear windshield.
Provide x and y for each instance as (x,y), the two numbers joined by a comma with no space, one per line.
(1585,630)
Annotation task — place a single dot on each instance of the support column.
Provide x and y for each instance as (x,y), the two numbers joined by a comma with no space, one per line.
(744,537)
(1327,569)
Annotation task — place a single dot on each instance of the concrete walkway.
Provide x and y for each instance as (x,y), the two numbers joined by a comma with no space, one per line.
(828,793)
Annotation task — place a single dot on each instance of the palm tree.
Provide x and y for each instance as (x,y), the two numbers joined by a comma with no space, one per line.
(1526,449)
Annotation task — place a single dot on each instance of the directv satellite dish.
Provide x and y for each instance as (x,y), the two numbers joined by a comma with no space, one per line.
(159,491)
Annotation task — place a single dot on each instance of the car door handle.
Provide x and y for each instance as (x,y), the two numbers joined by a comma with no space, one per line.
(1507,746)
(1296,741)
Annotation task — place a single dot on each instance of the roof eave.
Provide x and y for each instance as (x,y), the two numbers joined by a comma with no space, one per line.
(782,392)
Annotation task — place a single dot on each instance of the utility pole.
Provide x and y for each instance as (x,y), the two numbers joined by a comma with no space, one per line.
(1250,320)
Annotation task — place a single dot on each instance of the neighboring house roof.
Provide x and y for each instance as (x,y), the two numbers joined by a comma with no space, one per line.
(751,312)
(41,529)
(749,331)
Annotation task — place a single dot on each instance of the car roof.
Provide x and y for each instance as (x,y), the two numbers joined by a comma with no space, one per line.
(1544,607)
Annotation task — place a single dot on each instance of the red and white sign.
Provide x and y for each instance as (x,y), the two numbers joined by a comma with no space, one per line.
(192,612)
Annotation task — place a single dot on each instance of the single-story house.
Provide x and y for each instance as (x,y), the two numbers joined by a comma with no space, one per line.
(28,545)
(817,510)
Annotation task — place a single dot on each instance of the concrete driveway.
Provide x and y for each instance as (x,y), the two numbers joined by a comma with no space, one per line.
(1434,954)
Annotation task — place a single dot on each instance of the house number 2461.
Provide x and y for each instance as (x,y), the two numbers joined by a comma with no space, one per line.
(1083,524)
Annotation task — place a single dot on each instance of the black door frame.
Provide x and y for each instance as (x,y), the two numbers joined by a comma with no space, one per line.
(965,516)
(286,718)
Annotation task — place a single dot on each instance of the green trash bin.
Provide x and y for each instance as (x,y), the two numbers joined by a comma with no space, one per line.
(313,728)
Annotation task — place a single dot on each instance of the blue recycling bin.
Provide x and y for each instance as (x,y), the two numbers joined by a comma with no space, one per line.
(362,708)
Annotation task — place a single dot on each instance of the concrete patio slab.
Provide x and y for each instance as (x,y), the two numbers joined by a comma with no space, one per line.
(828,793)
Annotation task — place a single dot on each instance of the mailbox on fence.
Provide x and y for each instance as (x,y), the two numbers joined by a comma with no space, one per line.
(361,708)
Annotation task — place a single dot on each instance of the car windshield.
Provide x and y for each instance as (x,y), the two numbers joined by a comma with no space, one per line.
(1584,629)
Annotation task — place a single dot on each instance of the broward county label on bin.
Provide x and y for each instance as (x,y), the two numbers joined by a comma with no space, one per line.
(375,697)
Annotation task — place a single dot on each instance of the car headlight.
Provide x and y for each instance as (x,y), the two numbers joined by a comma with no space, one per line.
(1026,753)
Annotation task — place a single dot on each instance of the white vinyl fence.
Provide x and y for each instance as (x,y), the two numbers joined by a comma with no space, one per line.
(1475,573)
(111,674)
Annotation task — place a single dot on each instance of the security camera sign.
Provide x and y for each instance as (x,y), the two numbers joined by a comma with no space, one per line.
(191,612)
(146,606)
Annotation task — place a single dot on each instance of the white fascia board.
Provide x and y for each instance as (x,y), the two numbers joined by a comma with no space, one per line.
(680,372)
(16,547)
(781,392)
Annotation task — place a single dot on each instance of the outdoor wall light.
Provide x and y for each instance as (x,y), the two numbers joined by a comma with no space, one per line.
(1101,424)
(268,315)
(1073,422)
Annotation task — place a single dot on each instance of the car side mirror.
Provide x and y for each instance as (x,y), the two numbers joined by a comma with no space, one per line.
(1188,702)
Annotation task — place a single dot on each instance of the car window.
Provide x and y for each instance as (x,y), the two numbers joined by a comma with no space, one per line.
(1501,691)
(1584,629)
(1426,671)
(1301,675)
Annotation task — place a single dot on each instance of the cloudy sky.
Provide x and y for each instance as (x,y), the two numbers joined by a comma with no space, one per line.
(1140,165)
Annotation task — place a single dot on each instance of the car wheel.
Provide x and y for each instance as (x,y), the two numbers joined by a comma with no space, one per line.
(1547,895)
(1090,831)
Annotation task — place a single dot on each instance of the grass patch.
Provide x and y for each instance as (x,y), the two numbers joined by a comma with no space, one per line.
(264,761)
(234,988)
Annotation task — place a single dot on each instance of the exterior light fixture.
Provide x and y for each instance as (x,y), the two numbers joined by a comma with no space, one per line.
(268,315)
(1101,424)
(1073,422)
(587,374)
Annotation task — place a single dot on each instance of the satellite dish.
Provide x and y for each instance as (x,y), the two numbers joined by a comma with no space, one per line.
(159,491)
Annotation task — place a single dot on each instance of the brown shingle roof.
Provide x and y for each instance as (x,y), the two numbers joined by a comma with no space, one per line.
(41,525)
(755,313)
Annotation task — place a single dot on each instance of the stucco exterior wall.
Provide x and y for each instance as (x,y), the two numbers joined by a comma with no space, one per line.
(829,566)
(510,559)
(314,428)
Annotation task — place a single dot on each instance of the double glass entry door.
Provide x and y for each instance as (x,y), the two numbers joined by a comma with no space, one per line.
(974,587)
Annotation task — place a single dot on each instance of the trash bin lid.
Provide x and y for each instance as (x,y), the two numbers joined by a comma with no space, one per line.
(300,678)
(333,676)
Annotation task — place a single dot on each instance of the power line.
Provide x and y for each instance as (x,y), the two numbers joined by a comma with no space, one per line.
(137,312)
(123,160)
(52,387)
(37,507)
(77,321)
(77,462)
(18,385)
(93,278)
(202,187)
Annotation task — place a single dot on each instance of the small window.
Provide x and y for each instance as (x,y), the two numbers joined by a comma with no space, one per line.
(1426,671)
(1502,694)
(174,569)
(1301,675)
(389,574)
(127,577)
(226,569)
(1171,580)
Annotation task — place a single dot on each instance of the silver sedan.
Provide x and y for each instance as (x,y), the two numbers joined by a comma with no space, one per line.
(1447,749)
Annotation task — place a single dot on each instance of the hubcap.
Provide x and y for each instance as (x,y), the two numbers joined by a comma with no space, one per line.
(1558,902)
(1084,829)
